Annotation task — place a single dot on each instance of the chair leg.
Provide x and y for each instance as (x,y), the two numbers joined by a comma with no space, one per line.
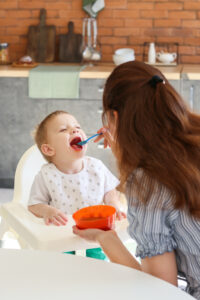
(3,228)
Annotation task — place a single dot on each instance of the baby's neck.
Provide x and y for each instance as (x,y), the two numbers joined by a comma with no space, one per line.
(71,167)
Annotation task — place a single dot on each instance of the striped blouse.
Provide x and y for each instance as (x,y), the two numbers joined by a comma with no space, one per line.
(158,228)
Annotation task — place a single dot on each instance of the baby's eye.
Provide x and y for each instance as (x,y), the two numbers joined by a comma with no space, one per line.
(78,127)
(63,129)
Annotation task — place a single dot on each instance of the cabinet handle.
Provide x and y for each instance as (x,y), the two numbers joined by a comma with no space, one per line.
(100,89)
(100,110)
(191,97)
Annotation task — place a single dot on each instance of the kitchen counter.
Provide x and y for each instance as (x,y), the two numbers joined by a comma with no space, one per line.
(192,71)
(98,71)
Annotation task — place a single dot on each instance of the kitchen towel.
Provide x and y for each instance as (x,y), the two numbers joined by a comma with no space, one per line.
(54,82)
(92,7)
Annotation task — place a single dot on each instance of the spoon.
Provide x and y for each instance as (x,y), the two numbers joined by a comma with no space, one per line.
(85,142)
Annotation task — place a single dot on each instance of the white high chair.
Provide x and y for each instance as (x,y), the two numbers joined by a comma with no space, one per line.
(31,232)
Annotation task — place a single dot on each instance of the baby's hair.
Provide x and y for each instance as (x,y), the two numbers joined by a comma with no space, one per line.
(40,132)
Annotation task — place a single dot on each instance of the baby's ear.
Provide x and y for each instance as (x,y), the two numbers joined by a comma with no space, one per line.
(47,150)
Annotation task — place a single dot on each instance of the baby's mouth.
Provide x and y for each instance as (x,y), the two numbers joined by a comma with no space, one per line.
(74,142)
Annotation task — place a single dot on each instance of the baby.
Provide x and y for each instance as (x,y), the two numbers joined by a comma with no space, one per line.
(70,180)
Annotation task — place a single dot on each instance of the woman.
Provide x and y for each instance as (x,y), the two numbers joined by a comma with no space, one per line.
(156,141)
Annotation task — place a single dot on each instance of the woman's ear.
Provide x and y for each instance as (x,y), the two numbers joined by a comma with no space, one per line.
(47,150)
(112,121)
(115,113)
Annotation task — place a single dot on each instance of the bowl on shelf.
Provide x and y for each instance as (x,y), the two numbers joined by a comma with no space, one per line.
(97,216)
(166,57)
(123,55)
(124,51)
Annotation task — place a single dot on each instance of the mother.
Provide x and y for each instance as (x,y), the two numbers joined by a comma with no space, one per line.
(156,141)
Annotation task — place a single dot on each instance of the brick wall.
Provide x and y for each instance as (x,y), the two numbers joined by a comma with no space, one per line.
(122,23)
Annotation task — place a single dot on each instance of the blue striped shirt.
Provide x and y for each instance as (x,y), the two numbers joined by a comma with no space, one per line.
(158,228)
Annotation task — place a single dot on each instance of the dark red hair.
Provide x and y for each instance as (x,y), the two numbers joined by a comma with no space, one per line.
(156,132)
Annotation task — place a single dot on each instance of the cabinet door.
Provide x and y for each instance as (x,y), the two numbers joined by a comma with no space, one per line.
(176,84)
(30,113)
(91,89)
(88,113)
(190,92)
(8,131)
(18,116)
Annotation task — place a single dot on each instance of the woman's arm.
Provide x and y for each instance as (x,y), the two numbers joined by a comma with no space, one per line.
(113,198)
(162,266)
(116,251)
(111,245)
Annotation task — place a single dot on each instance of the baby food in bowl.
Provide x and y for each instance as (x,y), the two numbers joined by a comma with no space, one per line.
(97,216)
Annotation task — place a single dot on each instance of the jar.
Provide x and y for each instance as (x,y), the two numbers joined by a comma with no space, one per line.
(4,54)
(152,54)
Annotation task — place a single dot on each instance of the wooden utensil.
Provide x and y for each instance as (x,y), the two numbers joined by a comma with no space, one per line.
(42,40)
(24,65)
(70,45)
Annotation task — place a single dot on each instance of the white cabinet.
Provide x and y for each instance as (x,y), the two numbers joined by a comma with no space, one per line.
(190,91)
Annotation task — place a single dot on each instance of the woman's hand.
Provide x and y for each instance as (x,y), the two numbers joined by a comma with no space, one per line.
(92,235)
(108,138)
(54,216)
(120,215)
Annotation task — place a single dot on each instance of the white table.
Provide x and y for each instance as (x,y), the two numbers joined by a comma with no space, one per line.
(37,275)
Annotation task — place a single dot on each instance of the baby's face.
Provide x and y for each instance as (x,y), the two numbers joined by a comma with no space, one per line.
(63,134)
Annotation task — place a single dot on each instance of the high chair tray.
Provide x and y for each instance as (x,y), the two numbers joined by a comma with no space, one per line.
(51,238)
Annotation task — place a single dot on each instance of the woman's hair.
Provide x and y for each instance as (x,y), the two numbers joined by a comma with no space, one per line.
(40,132)
(156,132)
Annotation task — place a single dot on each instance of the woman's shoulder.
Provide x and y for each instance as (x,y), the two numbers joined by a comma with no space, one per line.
(146,191)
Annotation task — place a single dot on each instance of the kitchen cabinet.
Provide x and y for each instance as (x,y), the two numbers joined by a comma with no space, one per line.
(190,91)
(8,130)
(176,84)
(18,116)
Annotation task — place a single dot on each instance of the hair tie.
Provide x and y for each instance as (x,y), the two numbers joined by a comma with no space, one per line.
(155,80)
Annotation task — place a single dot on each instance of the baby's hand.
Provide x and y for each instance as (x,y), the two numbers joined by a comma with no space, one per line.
(120,215)
(55,216)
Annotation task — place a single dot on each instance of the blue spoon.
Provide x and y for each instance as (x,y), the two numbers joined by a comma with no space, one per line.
(85,142)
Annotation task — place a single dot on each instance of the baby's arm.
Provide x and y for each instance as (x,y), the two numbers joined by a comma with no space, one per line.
(113,198)
(39,203)
(50,214)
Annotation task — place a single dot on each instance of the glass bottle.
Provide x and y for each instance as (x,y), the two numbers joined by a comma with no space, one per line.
(152,54)
(4,54)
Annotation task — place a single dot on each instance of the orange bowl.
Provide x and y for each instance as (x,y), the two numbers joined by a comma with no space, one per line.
(97,216)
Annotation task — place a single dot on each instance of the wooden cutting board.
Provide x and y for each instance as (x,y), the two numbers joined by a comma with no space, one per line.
(42,40)
(70,45)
